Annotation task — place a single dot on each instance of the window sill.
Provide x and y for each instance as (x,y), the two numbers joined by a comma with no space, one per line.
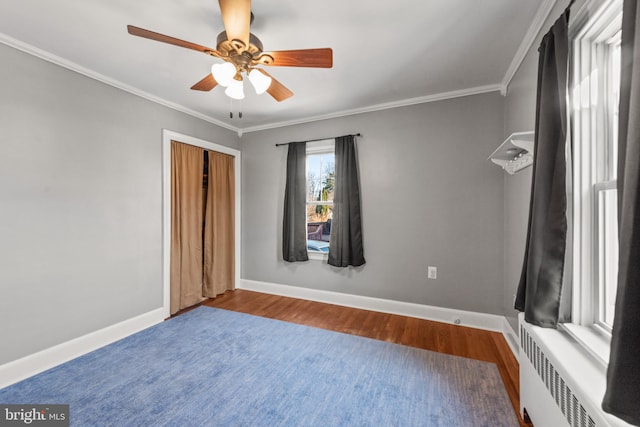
(594,341)
(317,255)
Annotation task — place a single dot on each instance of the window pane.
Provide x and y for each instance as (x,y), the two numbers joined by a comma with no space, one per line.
(614,101)
(607,254)
(318,226)
(319,213)
(320,177)
(320,189)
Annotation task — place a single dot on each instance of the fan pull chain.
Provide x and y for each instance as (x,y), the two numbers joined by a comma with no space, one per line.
(231,109)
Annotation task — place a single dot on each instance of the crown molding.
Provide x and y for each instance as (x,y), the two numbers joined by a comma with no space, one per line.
(57,60)
(54,59)
(532,32)
(387,105)
(536,25)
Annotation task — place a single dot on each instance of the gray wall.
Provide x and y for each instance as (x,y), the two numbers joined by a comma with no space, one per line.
(429,197)
(80,210)
(80,202)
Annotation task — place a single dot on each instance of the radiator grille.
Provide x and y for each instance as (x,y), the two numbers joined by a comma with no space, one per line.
(571,408)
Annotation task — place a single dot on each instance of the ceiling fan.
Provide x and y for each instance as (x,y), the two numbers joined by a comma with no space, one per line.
(243,52)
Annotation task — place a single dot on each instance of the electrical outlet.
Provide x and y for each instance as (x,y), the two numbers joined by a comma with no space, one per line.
(432,272)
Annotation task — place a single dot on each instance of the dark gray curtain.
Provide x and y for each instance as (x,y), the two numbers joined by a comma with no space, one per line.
(294,224)
(345,242)
(622,397)
(540,289)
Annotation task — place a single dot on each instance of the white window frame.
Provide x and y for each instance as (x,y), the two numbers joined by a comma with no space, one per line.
(317,147)
(595,24)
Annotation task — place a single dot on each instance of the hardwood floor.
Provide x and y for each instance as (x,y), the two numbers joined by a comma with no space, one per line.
(441,337)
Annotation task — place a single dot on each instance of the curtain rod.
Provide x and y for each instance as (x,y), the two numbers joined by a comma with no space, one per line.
(313,140)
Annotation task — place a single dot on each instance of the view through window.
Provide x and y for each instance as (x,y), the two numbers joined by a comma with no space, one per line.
(320,189)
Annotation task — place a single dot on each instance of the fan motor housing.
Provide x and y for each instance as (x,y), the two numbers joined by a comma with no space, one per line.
(243,57)
(228,47)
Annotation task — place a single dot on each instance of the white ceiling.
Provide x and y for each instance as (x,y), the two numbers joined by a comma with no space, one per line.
(384,53)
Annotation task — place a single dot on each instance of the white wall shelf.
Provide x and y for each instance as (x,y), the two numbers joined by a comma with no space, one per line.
(515,153)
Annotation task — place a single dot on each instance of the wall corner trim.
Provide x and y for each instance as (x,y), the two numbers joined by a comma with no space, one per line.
(536,25)
(489,322)
(30,365)
(512,338)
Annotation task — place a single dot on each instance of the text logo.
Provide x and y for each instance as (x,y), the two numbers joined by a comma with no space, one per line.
(34,415)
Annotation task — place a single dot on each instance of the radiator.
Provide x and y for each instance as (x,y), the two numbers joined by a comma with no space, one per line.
(559,384)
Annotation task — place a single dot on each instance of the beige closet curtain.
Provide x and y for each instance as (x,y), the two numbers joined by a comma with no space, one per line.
(187,164)
(219,252)
(197,271)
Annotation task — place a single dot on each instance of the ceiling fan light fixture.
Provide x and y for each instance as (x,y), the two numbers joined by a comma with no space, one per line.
(259,81)
(241,51)
(223,73)
(235,89)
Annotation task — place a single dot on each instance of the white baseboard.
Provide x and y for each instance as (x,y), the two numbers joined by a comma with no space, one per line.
(33,364)
(490,322)
(27,366)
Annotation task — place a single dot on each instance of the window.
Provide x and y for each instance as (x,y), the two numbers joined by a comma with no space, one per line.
(595,99)
(320,189)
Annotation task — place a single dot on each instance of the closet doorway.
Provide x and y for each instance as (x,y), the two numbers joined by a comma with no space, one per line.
(180,280)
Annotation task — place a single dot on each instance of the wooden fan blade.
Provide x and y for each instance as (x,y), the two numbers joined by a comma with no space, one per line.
(141,32)
(277,90)
(205,84)
(236,15)
(319,58)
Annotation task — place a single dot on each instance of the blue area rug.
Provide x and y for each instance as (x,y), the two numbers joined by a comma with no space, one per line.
(212,367)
